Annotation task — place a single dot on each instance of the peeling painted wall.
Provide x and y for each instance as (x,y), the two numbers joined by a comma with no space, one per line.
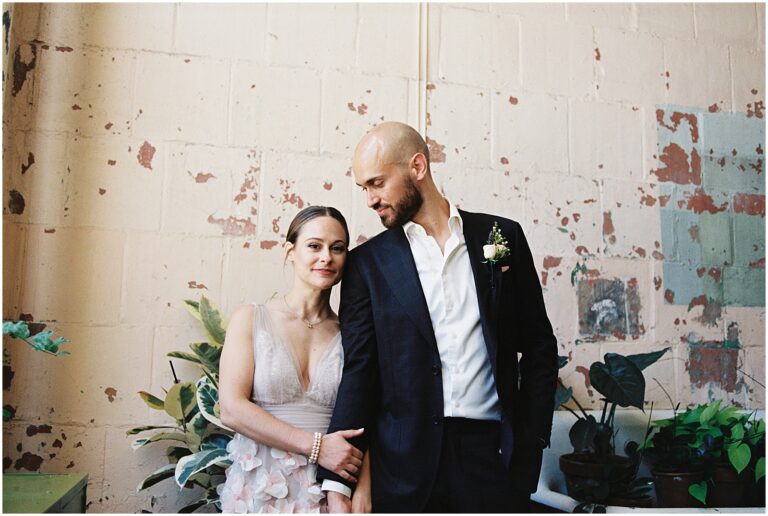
(156,152)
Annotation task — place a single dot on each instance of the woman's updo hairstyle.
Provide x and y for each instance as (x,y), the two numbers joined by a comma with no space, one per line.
(312,212)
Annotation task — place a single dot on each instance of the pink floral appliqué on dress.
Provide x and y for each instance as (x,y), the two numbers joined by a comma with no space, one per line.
(263,479)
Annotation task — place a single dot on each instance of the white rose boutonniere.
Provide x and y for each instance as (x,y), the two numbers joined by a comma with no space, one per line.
(497,246)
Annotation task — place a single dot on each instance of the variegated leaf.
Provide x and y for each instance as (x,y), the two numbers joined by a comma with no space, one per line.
(166,471)
(191,464)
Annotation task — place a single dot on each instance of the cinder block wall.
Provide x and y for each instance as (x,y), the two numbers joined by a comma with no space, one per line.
(158,152)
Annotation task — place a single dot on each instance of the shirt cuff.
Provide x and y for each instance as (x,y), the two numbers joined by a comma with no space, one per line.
(332,485)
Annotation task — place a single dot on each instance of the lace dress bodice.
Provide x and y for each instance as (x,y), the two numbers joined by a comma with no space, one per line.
(265,479)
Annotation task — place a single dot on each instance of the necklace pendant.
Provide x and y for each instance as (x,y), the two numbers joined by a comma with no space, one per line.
(310,325)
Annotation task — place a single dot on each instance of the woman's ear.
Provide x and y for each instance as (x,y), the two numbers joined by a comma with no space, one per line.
(288,252)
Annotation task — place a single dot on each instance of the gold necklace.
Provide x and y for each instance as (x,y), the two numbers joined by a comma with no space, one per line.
(308,324)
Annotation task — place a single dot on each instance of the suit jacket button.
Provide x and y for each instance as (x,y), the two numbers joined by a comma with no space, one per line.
(435,370)
(436,420)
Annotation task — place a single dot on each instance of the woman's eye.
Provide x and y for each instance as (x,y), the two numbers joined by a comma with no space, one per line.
(338,249)
(314,246)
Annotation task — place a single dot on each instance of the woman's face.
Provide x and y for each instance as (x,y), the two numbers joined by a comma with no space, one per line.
(319,253)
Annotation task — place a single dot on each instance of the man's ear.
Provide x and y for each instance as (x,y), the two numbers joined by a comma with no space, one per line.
(419,166)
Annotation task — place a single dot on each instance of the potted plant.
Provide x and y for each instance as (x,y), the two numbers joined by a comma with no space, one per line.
(705,456)
(197,440)
(594,472)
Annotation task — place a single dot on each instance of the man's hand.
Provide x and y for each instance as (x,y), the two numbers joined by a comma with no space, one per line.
(338,503)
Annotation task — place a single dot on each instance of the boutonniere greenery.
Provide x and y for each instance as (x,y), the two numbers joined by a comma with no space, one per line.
(497,246)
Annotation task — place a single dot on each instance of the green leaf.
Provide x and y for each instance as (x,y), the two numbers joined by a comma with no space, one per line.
(739,456)
(215,441)
(212,321)
(643,360)
(693,415)
(153,402)
(193,307)
(208,401)
(17,329)
(709,412)
(737,432)
(162,436)
(192,507)
(140,429)
(759,468)
(582,433)
(174,453)
(191,464)
(180,400)
(561,361)
(562,395)
(184,356)
(208,355)
(699,491)
(138,443)
(725,415)
(161,474)
(619,380)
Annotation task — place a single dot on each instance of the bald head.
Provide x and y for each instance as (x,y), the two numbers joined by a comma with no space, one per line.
(391,143)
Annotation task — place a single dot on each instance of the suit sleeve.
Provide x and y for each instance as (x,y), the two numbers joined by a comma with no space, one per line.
(358,394)
(536,343)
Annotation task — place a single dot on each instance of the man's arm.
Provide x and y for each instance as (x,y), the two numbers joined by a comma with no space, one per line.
(358,392)
(538,345)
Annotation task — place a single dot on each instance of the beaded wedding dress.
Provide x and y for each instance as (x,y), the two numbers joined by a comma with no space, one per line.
(264,479)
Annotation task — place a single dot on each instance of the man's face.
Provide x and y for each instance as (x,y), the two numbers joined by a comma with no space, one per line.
(390,191)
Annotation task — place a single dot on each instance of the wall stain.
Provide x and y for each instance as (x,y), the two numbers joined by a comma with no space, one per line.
(751,204)
(21,68)
(436,151)
(513,100)
(111,392)
(678,169)
(29,461)
(268,244)
(203,178)
(16,203)
(8,375)
(700,202)
(41,429)
(234,226)
(64,49)
(145,155)
(713,362)
(30,162)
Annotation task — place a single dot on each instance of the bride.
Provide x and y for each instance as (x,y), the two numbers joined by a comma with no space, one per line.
(279,373)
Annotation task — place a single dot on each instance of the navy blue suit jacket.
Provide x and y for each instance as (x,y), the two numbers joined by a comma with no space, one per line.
(392,384)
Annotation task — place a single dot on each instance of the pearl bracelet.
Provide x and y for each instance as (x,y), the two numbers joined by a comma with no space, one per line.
(316,448)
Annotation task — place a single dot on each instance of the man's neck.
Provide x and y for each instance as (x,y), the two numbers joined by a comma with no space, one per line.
(433,217)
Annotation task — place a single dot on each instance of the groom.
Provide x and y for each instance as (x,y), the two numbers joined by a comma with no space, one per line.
(431,329)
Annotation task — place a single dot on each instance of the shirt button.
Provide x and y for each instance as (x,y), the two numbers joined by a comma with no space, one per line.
(435,420)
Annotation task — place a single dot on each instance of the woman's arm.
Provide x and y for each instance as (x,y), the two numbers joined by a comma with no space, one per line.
(361,499)
(239,413)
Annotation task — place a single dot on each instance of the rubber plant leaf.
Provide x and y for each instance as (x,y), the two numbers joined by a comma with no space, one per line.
(191,464)
(159,475)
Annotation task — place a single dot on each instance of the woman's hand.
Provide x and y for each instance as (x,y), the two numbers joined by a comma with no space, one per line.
(337,455)
(361,499)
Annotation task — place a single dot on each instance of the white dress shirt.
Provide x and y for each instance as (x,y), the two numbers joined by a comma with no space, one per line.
(446,278)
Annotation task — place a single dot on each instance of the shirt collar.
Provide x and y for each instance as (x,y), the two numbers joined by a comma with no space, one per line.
(455,224)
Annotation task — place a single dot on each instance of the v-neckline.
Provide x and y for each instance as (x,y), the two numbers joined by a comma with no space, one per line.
(275,336)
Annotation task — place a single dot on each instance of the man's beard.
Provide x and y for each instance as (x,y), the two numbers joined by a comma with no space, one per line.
(406,208)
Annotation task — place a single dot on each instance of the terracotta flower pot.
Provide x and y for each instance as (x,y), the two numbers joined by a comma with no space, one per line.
(672,487)
(728,489)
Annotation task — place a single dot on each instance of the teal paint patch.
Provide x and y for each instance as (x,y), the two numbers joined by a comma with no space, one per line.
(744,286)
(748,246)
(714,251)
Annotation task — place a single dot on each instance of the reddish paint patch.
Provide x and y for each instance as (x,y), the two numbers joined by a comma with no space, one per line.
(362,109)
(751,204)
(608,228)
(102,191)
(590,201)
(657,282)
(663,200)
(327,185)
(715,273)
(436,151)
(504,161)
(657,255)
(108,126)
(275,225)
(40,429)
(57,444)
(581,250)
(234,226)
(583,370)
(293,199)
(145,155)
(759,264)
(21,69)
(64,49)
(576,217)
(52,230)
(268,244)
(700,202)
(111,392)
(351,106)
(552,261)
(247,245)
(676,118)
(648,200)
(513,100)
(203,177)
(564,221)
(29,461)
(75,107)
(430,86)
(29,163)
(710,362)
(669,296)
(700,271)
(640,251)
(111,162)
(544,277)
(759,149)
(678,169)
(195,284)
(714,108)
(597,54)
(71,464)
(757,112)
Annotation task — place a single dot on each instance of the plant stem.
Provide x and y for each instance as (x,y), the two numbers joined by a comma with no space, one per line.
(574,400)
(605,407)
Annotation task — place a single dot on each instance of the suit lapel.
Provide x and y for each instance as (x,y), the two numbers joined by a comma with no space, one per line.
(399,268)
(475,237)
